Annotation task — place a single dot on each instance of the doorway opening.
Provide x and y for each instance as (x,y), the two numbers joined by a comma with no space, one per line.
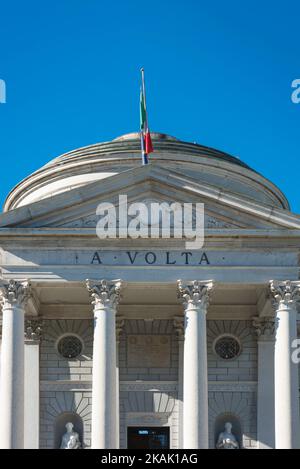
(148,437)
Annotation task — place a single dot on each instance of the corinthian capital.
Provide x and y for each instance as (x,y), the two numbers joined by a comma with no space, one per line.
(120,322)
(265,327)
(104,293)
(195,293)
(178,323)
(285,293)
(14,293)
(33,330)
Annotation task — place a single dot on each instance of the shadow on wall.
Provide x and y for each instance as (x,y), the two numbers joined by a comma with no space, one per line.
(221,420)
(60,427)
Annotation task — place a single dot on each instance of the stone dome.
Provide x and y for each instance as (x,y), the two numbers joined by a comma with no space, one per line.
(102,160)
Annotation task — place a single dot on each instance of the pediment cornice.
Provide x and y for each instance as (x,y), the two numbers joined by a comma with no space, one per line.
(224,209)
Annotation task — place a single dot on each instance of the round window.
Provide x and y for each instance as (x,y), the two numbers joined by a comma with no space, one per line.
(227,347)
(69,346)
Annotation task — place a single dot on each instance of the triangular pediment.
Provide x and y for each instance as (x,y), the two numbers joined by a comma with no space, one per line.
(212,220)
(77,208)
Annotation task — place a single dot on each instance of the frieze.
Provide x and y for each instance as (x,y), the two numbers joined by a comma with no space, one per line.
(232,387)
(148,386)
(63,386)
(149,258)
(90,221)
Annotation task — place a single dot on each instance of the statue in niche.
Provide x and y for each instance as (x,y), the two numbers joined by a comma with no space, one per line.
(70,439)
(226,439)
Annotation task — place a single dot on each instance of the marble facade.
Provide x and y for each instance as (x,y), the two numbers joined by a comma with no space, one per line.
(143,318)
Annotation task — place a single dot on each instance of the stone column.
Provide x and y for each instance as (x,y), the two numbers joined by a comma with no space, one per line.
(33,333)
(287,433)
(119,328)
(105,295)
(195,297)
(0,350)
(14,296)
(265,330)
(179,328)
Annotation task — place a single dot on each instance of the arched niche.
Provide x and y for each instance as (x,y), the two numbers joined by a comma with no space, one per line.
(236,427)
(60,427)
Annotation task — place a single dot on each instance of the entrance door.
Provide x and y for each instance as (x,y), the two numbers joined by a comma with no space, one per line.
(148,437)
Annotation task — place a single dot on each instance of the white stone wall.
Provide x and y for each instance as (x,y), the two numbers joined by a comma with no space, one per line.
(163,327)
(240,403)
(154,401)
(144,405)
(52,365)
(244,367)
(148,396)
(61,388)
(54,403)
(232,383)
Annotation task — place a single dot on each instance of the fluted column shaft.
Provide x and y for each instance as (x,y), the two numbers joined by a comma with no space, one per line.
(14,296)
(195,382)
(287,431)
(33,334)
(265,329)
(104,298)
(178,323)
(119,328)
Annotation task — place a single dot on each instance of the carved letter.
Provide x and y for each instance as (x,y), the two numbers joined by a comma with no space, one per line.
(132,259)
(168,259)
(186,254)
(204,258)
(96,259)
(153,258)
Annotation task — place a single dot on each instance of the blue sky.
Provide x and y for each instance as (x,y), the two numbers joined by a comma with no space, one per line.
(218,73)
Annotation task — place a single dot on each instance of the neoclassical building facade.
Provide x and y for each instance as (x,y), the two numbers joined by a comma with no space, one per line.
(143,343)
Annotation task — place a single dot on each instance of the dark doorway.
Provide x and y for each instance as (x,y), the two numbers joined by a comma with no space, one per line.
(148,437)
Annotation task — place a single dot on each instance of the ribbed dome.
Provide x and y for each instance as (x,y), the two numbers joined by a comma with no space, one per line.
(131,143)
(99,161)
(136,136)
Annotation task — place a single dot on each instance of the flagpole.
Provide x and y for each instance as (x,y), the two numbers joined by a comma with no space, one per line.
(144,93)
(144,156)
(144,159)
(146,143)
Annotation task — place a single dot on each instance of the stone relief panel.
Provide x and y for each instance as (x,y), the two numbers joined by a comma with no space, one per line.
(213,222)
(154,338)
(91,220)
(149,350)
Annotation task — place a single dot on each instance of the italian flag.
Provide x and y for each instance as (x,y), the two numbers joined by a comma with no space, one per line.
(146,142)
